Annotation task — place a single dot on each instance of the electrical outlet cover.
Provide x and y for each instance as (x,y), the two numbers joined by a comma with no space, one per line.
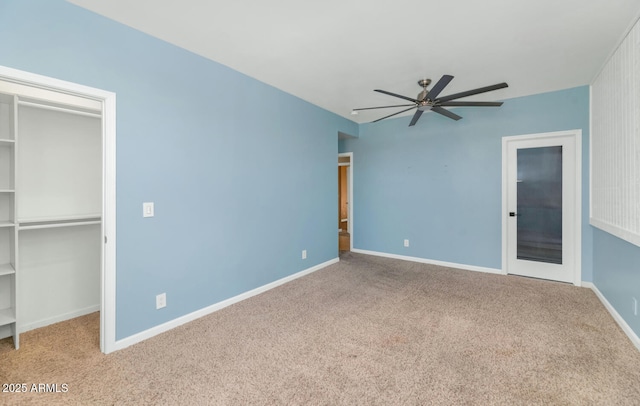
(161,301)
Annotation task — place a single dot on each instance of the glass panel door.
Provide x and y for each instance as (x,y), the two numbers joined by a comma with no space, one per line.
(541,227)
(539,204)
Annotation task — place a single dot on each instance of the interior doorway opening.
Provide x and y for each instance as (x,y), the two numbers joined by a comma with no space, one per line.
(345,202)
(73,214)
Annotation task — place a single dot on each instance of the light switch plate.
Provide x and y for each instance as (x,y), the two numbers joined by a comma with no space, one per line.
(147,209)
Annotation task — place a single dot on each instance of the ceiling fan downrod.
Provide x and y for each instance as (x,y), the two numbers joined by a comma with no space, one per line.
(423,83)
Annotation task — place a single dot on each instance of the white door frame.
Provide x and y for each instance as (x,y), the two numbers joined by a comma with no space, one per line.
(108,263)
(350,193)
(577,210)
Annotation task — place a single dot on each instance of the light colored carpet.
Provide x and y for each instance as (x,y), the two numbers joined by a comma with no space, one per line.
(365,331)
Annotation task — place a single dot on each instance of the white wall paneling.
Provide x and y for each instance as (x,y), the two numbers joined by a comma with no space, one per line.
(615,142)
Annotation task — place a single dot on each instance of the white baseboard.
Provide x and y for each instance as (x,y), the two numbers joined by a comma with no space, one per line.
(143,335)
(56,319)
(430,261)
(616,316)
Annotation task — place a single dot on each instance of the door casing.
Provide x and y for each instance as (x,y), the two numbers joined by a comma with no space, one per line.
(350,223)
(108,264)
(576,211)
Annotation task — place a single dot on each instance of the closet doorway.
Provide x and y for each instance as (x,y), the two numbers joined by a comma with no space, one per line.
(345,201)
(57,202)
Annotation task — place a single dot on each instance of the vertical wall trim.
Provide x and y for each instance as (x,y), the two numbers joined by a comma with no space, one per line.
(615,142)
(624,35)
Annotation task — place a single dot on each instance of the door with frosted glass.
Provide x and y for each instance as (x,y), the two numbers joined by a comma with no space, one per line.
(541,202)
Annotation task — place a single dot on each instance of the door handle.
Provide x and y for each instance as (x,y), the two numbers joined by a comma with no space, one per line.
(513,214)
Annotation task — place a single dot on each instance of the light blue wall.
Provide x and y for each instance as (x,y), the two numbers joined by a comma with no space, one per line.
(438,183)
(243,175)
(616,273)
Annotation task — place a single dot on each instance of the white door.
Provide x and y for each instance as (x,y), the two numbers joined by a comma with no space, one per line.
(541,206)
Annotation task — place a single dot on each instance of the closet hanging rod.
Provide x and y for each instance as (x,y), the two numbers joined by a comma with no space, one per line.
(58,225)
(60,109)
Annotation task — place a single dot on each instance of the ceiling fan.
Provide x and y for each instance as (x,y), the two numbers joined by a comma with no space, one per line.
(429,100)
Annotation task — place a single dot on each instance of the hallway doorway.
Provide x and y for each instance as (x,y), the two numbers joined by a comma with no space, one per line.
(345,202)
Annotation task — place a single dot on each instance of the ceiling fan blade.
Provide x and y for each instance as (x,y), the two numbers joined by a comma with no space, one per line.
(470,104)
(397,95)
(384,107)
(439,87)
(472,92)
(391,115)
(446,113)
(415,118)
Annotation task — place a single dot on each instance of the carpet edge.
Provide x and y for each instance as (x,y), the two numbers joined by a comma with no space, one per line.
(431,261)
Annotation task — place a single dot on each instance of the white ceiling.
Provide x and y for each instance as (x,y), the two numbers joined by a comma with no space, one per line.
(333,53)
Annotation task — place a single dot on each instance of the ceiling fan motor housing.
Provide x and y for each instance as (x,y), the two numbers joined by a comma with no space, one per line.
(423,83)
